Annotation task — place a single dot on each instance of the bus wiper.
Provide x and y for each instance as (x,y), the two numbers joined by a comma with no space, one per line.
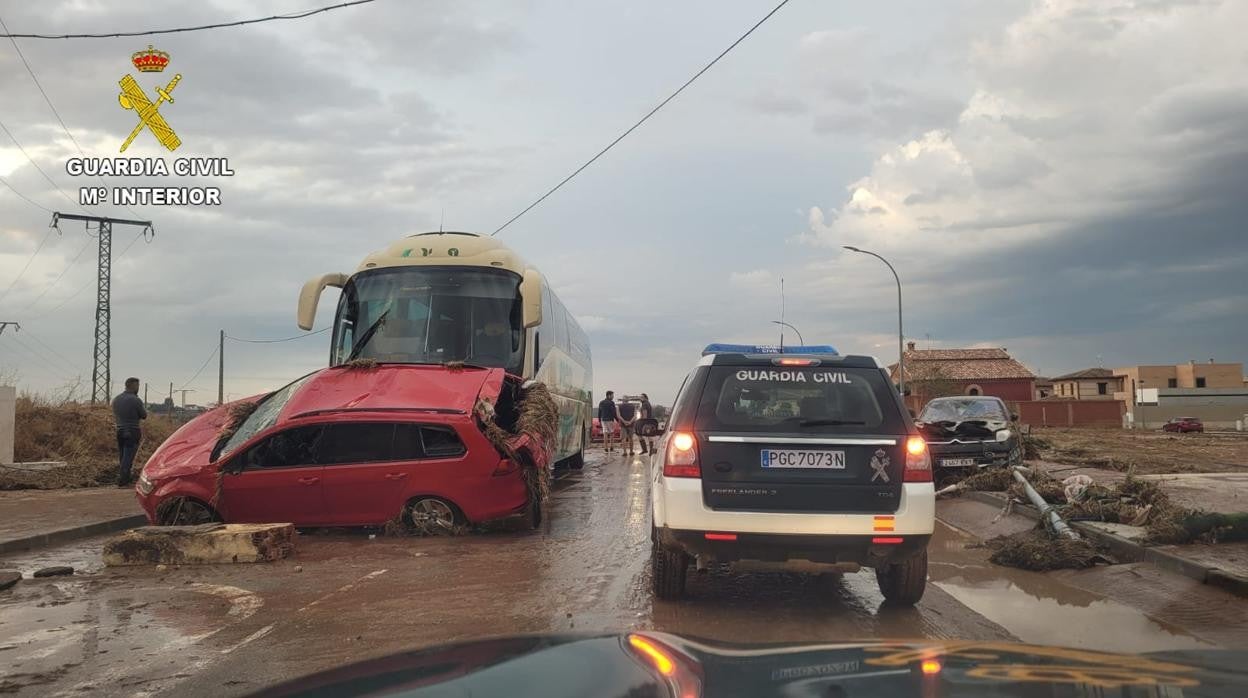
(828,423)
(368,334)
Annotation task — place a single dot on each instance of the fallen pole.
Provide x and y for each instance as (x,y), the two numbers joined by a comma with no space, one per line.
(1046,510)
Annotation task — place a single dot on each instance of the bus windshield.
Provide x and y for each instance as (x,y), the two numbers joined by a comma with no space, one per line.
(431,315)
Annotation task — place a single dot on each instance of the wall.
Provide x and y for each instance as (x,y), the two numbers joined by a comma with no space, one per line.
(1086,389)
(1069,413)
(8,419)
(1217,408)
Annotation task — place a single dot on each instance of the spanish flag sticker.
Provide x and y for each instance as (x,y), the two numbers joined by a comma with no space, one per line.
(883,524)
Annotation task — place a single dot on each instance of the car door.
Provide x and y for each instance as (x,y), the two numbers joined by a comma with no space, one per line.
(364,482)
(278,480)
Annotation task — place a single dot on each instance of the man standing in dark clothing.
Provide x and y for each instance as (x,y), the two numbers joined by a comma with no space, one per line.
(128,410)
(647,412)
(607,414)
(628,416)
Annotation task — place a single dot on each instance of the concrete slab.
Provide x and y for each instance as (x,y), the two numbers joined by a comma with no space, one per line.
(36,466)
(1135,534)
(208,544)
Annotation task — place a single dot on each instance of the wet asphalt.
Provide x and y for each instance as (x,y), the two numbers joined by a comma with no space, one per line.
(347,596)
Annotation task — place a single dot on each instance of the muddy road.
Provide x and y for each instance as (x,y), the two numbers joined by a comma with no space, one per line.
(230,630)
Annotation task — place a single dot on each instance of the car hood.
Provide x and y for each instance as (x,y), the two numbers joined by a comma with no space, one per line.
(552,666)
(189,449)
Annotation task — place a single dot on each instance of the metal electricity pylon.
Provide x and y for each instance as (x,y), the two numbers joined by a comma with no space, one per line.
(100,382)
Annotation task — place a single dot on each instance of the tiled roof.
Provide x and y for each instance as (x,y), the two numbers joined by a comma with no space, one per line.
(962,364)
(1087,373)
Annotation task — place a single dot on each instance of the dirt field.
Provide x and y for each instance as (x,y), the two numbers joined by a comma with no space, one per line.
(1148,452)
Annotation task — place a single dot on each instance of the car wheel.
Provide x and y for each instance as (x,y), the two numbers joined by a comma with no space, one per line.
(669,568)
(903,582)
(433,516)
(184,511)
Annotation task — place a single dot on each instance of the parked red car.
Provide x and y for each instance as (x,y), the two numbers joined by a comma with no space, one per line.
(1183,425)
(595,431)
(348,447)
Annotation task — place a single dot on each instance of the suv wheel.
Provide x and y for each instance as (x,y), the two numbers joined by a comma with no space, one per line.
(669,568)
(903,582)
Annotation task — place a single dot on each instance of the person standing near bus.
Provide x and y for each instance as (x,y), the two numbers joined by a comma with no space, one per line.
(628,417)
(128,411)
(608,413)
(647,412)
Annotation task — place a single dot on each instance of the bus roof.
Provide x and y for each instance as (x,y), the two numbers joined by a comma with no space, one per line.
(446,248)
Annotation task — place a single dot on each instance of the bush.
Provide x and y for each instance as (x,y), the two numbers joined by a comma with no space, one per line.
(80,434)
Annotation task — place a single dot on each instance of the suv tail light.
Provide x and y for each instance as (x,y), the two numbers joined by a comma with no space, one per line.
(918,461)
(681,459)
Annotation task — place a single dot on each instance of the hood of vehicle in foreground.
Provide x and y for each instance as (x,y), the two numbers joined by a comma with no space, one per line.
(658,664)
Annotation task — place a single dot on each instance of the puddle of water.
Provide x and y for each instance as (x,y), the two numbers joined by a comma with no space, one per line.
(1039,609)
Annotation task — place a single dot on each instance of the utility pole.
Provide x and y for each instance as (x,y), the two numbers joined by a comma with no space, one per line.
(100,382)
(171,399)
(184,391)
(16,327)
(221,370)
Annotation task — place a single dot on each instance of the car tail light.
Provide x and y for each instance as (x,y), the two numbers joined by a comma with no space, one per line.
(681,459)
(918,461)
(506,466)
(682,672)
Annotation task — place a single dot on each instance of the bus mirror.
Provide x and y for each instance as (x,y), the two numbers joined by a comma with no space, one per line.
(311,295)
(531,297)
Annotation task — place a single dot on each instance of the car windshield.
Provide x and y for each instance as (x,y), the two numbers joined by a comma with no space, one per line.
(424,315)
(263,416)
(960,410)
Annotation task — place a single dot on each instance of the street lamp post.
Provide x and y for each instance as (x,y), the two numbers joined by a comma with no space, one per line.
(785,324)
(901,355)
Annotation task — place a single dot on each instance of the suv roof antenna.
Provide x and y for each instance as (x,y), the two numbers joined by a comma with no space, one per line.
(441,219)
(782,315)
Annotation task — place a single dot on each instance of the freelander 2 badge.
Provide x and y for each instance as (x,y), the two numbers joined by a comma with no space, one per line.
(133,97)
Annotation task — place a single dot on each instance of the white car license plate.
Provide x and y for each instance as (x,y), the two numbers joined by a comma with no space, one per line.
(957,462)
(793,458)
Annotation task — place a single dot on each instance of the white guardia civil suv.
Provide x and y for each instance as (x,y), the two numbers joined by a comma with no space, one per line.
(797,459)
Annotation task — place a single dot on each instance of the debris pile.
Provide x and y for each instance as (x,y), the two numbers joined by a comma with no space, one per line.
(1036,550)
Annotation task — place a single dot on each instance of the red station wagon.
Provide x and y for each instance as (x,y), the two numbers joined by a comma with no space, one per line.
(346,447)
(1184,424)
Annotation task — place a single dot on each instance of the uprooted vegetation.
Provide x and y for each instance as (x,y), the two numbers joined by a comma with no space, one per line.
(82,435)
(1134,501)
(1036,550)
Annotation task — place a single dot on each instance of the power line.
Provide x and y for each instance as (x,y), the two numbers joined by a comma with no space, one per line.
(58,370)
(22,196)
(201,369)
(51,106)
(643,119)
(274,341)
(83,287)
(40,169)
(28,262)
(68,363)
(85,244)
(292,15)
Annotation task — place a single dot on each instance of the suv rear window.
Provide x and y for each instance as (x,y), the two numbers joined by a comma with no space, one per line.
(801,400)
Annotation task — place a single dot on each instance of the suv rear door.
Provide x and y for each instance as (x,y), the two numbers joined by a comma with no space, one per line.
(821,439)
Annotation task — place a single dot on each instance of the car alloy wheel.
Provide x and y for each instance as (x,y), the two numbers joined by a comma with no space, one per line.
(432,515)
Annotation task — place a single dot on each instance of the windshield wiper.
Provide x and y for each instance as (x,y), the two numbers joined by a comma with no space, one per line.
(829,423)
(368,334)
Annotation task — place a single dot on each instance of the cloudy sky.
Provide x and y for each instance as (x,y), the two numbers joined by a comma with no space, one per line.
(1062,178)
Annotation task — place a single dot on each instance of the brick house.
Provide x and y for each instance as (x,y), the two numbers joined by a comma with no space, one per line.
(1088,384)
(939,372)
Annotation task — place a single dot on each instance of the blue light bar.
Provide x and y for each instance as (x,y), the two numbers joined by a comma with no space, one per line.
(768,349)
